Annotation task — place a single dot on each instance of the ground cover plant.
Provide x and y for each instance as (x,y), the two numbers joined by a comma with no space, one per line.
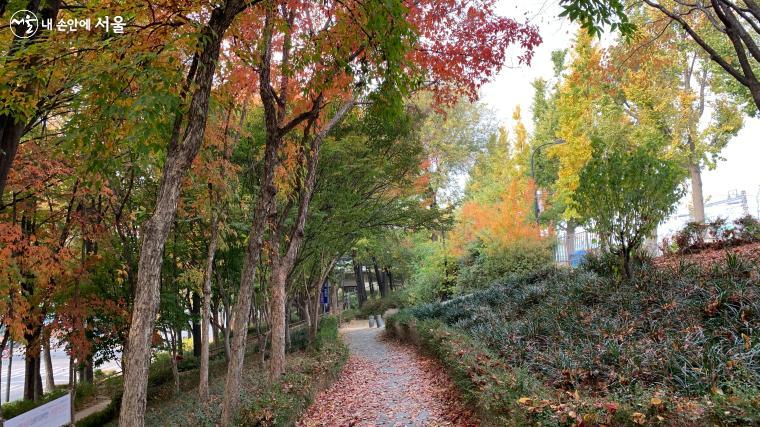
(561,346)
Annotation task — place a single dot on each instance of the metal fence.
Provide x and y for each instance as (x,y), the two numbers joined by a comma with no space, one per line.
(583,241)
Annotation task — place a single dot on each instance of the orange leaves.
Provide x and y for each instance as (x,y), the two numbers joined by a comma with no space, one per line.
(30,274)
(504,222)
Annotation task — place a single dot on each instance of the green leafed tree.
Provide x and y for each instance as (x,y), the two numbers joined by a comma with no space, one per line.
(624,193)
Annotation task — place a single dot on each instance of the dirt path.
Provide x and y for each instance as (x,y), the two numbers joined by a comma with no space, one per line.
(386,383)
(93,408)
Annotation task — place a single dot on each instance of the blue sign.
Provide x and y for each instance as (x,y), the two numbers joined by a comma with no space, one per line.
(577,257)
(326,293)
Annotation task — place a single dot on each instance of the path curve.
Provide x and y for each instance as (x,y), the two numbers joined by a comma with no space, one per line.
(385,383)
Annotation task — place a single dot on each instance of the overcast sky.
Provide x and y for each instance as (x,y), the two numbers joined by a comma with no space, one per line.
(740,169)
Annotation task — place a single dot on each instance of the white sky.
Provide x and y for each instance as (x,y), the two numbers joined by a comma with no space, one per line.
(739,171)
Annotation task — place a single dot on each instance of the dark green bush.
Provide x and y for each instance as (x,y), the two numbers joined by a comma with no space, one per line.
(84,391)
(381,305)
(602,263)
(349,314)
(481,268)
(188,362)
(299,339)
(685,332)
(327,332)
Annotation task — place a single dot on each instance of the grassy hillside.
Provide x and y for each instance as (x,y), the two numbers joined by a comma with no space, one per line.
(677,345)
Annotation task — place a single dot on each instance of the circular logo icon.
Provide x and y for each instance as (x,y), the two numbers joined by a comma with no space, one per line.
(24,24)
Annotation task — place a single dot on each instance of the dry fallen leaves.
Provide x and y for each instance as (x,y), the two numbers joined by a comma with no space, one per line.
(403,388)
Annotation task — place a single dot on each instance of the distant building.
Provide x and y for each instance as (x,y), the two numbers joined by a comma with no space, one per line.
(734,206)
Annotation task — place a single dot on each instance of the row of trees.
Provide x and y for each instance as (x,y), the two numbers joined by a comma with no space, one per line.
(208,167)
(617,133)
(220,157)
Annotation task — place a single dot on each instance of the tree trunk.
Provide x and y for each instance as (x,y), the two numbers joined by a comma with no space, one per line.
(277,359)
(195,310)
(627,272)
(215,324)
(390,278)
(89,372)
(49,379)
(335,307)
(317,315)
(361,292)
(174,344)
(38,392)
(11,127)
(265,210)
(205,312)
(570,240)
(371,285)
(250,263)
(32,364)
(697,197)
(156,229)
(6,336)
(8,379)
(380,279)
(226,324)
(288,343)
(282,265)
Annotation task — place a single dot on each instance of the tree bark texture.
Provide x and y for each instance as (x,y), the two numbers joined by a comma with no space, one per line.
(206,309)
(156,229)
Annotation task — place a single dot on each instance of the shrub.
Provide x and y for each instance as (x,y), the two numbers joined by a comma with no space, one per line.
(381,305)
(625,190)
(721,234)
(602,263)
(84,391)
(481,268)
(284,402)
(691,237)
(299,339)
(327,332)
(349,314)
(748,228)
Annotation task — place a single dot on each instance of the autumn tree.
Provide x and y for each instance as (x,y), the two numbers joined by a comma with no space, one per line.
(725,30)
(495,224)
(702,117)
(384,56)
(182,148)
(21,75)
